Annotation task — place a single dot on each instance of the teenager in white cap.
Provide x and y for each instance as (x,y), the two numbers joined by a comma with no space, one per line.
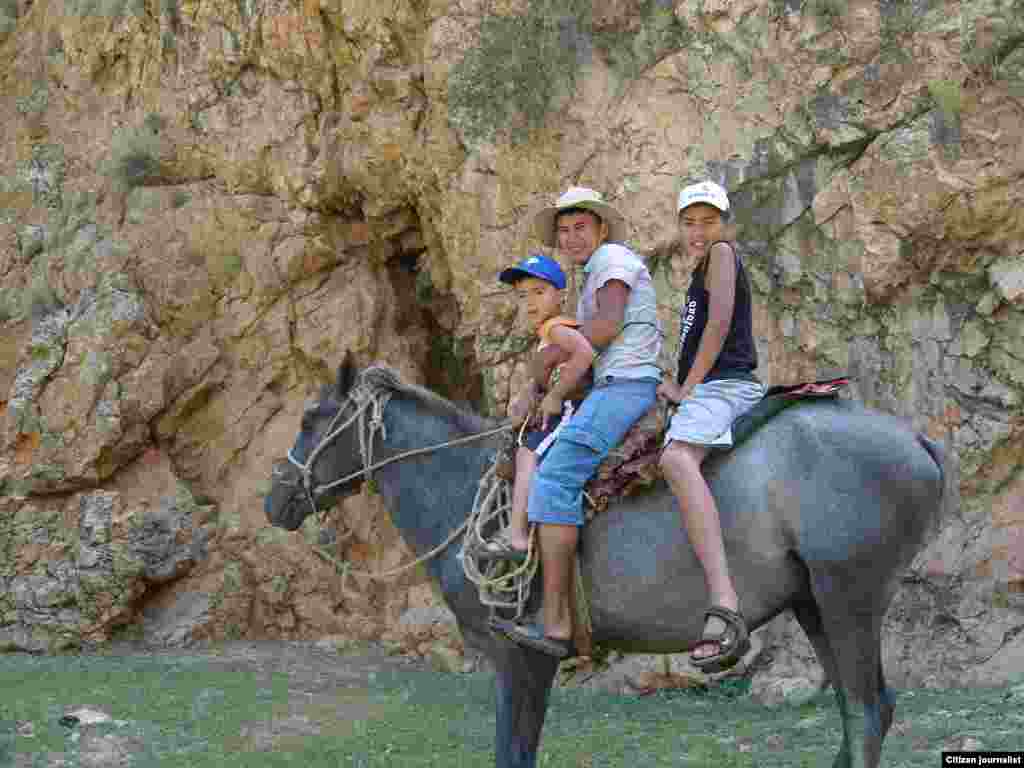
(715,385)
(618,310)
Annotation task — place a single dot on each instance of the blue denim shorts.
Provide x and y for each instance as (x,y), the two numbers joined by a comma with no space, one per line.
(601,422)
(539,440)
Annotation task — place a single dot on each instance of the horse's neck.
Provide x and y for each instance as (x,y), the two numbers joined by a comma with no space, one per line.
(429,495)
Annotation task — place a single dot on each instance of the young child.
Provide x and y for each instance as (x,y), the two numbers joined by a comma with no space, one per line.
(540,283)
(715,385)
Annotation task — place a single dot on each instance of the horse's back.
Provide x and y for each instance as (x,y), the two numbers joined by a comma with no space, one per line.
(822,482)
(839,481)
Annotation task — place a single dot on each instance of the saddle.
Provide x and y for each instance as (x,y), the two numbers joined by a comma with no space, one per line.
(633,464)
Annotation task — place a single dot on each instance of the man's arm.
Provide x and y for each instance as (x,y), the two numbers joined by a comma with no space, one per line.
(581,355)
(606,323)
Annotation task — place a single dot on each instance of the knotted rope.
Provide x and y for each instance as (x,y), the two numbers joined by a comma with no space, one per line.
(501,584)
(372,398)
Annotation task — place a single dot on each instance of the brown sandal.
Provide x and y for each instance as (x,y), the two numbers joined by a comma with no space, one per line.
(733,641)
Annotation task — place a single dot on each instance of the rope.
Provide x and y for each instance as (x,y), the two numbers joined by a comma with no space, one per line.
(347,570)
(501,584)
(363,398)
(367,470)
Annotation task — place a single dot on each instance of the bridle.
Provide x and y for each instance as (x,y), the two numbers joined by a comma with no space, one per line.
(361,399)
(364,398)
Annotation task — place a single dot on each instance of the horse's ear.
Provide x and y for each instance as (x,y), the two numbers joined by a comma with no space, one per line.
(346,375)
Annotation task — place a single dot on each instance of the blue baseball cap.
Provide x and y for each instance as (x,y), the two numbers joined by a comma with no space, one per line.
(535,265)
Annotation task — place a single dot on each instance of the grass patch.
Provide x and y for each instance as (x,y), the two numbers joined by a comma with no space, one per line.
(8,16)
(900,21)
(113,9)
(179,710)
(947,96)
(945,126)
(11,307)
(135,154)
(36,100)
(40,299)
(175,712)
(828,11)
(658,33)
(520,67)
(526,65)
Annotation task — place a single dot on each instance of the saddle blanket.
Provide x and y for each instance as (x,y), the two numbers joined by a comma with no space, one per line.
(633,464)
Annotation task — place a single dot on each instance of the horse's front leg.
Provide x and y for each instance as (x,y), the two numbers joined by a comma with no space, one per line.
(523,685)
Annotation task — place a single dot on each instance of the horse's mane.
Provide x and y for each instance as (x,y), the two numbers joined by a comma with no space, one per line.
(385,377)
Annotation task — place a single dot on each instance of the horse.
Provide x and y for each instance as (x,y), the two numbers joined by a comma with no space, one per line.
(822,509)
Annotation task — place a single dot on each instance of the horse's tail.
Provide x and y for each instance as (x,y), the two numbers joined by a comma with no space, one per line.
(948,490)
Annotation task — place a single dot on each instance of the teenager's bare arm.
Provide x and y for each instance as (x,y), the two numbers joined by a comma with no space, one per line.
(721,287)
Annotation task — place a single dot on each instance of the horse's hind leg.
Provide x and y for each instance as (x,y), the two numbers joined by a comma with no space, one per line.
(809,617)
(850,614)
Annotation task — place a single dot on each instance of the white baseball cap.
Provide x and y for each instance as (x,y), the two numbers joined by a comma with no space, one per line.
(705,192)
(585,199)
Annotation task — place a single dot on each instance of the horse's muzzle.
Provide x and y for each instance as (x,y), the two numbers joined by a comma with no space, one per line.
(286,505)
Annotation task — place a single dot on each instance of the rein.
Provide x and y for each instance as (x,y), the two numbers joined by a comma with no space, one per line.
(362,399)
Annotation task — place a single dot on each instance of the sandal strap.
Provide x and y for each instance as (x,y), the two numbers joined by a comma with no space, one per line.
(733,641)
(734,623)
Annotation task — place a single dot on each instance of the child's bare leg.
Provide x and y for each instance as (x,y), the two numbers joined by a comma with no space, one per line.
(680,463)
(526,465)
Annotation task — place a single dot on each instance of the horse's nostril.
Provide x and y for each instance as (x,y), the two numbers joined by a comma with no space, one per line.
(284,473)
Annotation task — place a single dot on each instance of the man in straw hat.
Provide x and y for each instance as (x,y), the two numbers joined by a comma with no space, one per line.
(618,310)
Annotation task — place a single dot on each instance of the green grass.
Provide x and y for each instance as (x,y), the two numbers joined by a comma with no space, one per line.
(135,153)
(522,65)
(180,711)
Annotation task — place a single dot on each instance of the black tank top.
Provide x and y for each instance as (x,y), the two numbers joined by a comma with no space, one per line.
(738,357)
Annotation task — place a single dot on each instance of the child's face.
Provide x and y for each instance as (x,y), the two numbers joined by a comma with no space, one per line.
(700,225)
(539,300)
(579,235)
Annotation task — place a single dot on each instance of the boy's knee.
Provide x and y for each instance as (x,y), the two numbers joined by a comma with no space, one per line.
(680,459)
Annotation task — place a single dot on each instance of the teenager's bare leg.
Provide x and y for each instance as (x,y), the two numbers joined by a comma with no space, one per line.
(526,465)
(680,463)
(557,547)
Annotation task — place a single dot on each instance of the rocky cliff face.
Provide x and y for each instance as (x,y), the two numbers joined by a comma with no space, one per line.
(204,203)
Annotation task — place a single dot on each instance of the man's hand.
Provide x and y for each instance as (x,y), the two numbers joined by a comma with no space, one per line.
(672,392)
(550,408)
(522,405)
(543,362)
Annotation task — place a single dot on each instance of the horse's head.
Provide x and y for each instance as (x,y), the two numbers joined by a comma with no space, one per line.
(324,451)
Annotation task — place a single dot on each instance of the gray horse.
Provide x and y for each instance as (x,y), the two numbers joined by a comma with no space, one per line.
(822,509)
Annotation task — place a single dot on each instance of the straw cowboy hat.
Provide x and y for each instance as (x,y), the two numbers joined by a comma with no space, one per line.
(579,198)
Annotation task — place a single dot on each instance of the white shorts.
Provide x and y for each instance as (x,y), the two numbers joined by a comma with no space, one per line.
(705,417)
